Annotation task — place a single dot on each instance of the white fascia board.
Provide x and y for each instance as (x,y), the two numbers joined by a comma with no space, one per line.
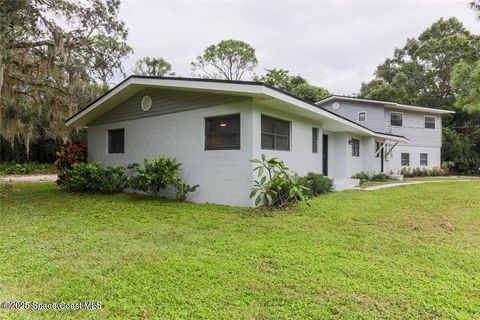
(389,137)
(243,88)
(280,96)
(177,84)
(415,108)
(72,121)
(387,104)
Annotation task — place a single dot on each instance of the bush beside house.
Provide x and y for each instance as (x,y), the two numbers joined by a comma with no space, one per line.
(92,177)
(68,155)
(278,186)
(157,175)
(317,184)
(154,178)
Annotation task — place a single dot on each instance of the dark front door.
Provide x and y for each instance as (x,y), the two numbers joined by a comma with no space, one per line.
(325,155)
(381,160)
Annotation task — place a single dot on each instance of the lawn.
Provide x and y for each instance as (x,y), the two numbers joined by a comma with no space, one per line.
(408,252)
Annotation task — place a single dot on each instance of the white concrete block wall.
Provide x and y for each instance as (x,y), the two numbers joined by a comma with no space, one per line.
(300,158)
(224,176)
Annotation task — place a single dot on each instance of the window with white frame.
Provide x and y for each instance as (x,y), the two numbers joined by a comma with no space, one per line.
(396,119)
(362,116)
(116,141)
(275,134)
(430,122)
(424,159)
(355,147)
(405,159)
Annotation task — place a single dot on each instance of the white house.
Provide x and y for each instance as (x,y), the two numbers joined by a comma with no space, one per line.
(422,126)
(215,127)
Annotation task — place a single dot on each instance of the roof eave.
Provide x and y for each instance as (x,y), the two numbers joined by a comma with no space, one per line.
(387,104)
(240,87)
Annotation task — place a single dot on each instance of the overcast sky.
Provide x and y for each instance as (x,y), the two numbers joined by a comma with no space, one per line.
(334,44)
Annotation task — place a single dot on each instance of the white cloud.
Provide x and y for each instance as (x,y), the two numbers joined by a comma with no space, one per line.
(335,44)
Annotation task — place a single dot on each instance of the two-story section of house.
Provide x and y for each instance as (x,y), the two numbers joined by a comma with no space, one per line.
(422,126)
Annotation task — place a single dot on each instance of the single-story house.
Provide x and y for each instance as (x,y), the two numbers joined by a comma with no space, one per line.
(215,127)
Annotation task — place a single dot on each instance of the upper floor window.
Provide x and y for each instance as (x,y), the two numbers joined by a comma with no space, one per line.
(405,159)
(222,133)
(424,159)
(355,147)
(430,122)
(396,119)
(314,140)
(116,141)
(362,116)
(275,134)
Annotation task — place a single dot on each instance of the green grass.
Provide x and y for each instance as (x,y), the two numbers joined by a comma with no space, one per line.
(410,252)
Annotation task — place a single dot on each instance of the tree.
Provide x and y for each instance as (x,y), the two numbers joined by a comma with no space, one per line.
(420,72)
(155,67)
(466,82)
(55,56)
(281,79)
(295,85)
(309,92)
(105,57)
(229,59)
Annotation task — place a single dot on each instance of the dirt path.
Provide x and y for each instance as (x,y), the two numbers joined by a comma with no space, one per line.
(28,178)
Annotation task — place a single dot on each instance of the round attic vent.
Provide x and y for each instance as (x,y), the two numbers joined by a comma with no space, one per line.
(146,103)
(336,105)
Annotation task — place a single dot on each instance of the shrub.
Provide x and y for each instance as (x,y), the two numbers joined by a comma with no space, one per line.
(317,183)
(423,172)
(69,154)
(362,176)
(157,175)
(91,177)
(447,167)
(25,168)
(380,177)
(277,185)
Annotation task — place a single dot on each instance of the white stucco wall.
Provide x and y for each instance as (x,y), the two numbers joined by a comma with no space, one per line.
(394,163)
(224,176)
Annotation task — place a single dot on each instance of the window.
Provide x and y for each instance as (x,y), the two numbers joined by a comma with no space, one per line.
(424,159)
(355,147)
(315,140)
(378,145)
(429,122)
(362,116)
(275,134)
(116,141)
(396,119)
(222,133)
(405,159)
